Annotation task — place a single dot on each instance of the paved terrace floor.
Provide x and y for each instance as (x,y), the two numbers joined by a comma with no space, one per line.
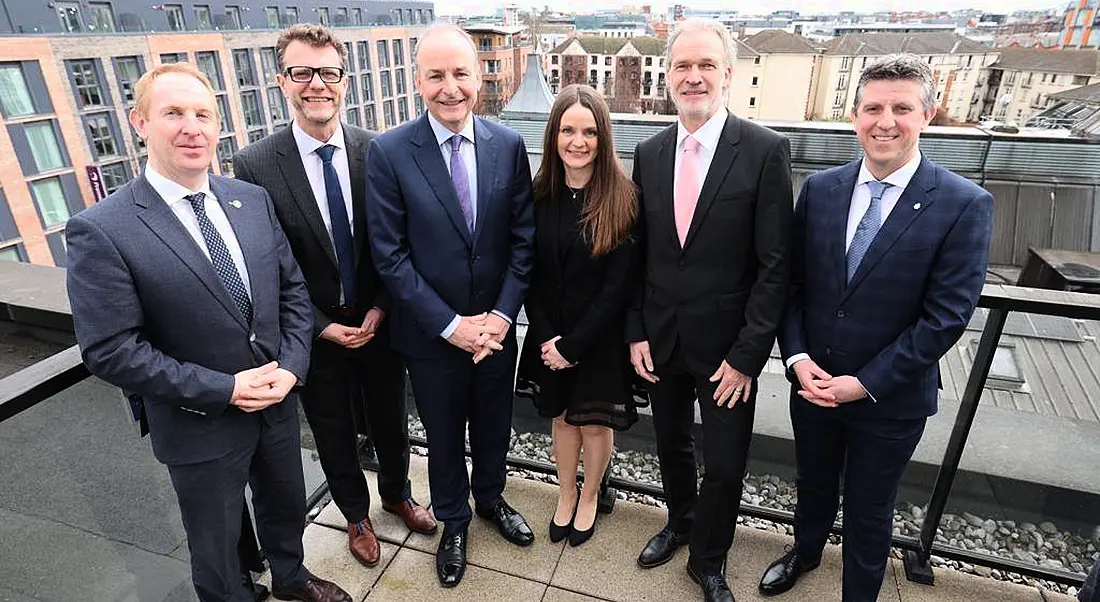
(601,569)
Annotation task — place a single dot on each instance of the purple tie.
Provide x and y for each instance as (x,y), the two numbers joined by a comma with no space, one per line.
(461,180)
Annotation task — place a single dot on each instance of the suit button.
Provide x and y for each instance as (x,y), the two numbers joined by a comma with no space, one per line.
(841,314)
(252,338)
(828,351)
(476,257)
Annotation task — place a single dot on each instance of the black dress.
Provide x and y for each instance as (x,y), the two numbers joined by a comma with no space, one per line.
(583,299)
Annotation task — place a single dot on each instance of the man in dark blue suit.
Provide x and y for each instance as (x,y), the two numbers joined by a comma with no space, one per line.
(185,294)
(451,227)
(890,255)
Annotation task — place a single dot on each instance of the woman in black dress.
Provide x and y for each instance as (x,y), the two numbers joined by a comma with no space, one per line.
(575,362)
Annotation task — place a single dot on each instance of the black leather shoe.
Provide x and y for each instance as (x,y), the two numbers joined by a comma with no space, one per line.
(783,573)
(510,523)
(450,557)
(661,548)
(713,584)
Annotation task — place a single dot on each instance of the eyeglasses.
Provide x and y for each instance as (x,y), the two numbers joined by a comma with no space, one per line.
(304,75)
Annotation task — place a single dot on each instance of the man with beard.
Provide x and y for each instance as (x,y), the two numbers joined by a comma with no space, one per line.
(452,226)
(716,202)
(314,172)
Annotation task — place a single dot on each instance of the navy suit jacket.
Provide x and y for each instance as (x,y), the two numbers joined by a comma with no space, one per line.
(152,316)
(911,297)
(433,266)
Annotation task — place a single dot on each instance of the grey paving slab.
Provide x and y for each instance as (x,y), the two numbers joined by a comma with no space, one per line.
(1049,596)
(388,527)
(536,501)
(411,577)
(560,595)
(952,585)
(327,557)
(53,562)
(7,595)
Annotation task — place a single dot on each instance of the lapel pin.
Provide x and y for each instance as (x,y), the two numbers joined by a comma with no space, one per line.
(916,205)
(237,204)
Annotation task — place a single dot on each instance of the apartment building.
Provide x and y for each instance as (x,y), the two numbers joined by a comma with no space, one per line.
(502,51)
(1022,80)
(1081,19)
(65,138)
(775,76)
(958,66)
(630,73)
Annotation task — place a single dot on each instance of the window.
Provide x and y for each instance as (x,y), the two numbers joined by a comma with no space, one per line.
(86,83)
(364,55)
(129,70)
(1079,80)
(492,87)
(174,12)
(278,105)
(398,53)
(554,59)
(322,16)
(15,96)
(399,76)
(242,64)
(269,63)
(402,110)
(752,101)
(272,13)
(595,60)
(592,76)
(42,140)
(648,61)
(114,176)
(102,17)
(203,20)
(234,15)
(50,199)
(842,83)
(341,16)
(256,136)
(1004,372)
(755,81)
(101,135)
(207,62)
(370,121)
(368,89)
(353,92)
(352,116)
(383,54)
(387,87)
(174,57)
(418,104)
(607,76)
(224,114)
(607,61)
(69,14)
(56,243)
(250,106)
(291,15)
(225,149)
(12,253)
(357,20)
(387,112)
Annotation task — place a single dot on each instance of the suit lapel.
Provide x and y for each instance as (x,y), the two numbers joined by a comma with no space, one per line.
(666,184)
(429,158)
(294,175)
(724,154)
(914,201)
(486,169)
(839,204)
(357,149)
(155,213)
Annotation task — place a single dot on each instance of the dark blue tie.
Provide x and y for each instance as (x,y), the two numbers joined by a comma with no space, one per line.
(220,257)
(341,228)
(868,227)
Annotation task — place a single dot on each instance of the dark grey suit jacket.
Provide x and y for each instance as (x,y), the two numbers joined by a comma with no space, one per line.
(152,316)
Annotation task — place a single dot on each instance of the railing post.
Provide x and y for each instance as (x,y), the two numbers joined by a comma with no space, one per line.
(918,567)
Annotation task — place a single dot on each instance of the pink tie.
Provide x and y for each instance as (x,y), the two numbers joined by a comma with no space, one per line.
(687,187)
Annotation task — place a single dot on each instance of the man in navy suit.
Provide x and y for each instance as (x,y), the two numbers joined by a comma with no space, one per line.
(890,256)
(451,226)
(185,294)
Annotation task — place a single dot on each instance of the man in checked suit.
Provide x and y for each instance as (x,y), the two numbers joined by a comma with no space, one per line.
(185,293)
(889,258)
(715,203)
(314,171)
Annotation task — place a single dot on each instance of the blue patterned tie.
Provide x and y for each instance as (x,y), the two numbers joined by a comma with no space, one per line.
(461,181)
(220,257)
(341,228)
(868,227)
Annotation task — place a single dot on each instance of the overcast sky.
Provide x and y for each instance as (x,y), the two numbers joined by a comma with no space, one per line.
(474,7)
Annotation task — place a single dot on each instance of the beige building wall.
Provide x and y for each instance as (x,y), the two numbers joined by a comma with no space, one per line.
(773,86)
(1030,90)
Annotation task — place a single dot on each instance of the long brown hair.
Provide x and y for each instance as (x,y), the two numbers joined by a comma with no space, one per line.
(610,205)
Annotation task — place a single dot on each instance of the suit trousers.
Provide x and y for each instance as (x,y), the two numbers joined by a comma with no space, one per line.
(870,455)
(450,391)
(1090,590)
(211,500)
(339,377)
(709,514)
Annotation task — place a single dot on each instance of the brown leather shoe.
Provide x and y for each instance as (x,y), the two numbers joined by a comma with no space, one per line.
(416,517)
(363,543)
(314,590)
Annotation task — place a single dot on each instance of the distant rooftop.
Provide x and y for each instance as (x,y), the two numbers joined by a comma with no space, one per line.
(645,45)
(781,42)
(1076,62)
(493,28)
(863,44)
(1088,94)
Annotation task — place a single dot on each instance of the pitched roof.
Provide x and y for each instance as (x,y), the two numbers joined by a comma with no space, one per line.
(1089,93)
(861,44)
(533,95)
(1077,62)
(779,41)
(646,45)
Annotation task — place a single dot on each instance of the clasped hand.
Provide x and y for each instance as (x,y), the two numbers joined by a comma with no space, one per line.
(819,388)
(259,388)
(351,337)
(480,335)
(551,357)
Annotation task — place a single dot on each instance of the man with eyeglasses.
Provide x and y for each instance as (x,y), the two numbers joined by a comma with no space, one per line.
(314,171)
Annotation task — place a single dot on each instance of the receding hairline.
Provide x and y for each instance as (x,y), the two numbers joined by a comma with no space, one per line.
(441,30)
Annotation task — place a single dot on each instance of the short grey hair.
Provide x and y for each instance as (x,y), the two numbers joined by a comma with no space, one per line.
(439,29)
(729,50)
(895,67)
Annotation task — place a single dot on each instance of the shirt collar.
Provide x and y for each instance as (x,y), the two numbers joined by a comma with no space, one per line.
(173,192)
(308,144)
(443,135)
(708,134)
(901,176)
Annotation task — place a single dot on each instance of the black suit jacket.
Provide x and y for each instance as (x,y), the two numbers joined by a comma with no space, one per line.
(721,295)
(276,164)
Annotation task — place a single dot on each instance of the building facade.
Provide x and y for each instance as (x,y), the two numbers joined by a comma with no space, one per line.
(775,76)
(502,51)
(630,73)
(1082,17)
(1021,82)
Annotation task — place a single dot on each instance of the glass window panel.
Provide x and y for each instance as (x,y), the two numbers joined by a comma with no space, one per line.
(269,63)
(225,116)
(71,19)
(368,88)
(383,54)
(387,109)
(364,56)
(272,13)
(370,120)
(250,105)
(102,17)
(202,17)
(10,254)
(256,136)
(278,104)
(399,77)
(353,116)
(100,136)
(322,16)
(86,83)
(208,64)
(174,12)
(129,71)
(114,176)
(356,16)
(402,110)
(50,198)
(15,97)
(387,87)
(234,14)
(44,147)
(242,64)
(353,91)
(398,53)
(291,15)
(226,148)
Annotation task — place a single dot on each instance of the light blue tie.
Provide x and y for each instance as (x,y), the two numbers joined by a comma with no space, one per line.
(868,227)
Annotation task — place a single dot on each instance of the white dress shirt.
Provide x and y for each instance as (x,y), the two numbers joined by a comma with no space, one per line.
(315,172)
(173,194)
(467,150)
(707,135)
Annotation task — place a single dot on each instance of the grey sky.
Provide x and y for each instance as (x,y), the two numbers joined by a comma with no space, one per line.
(473,7)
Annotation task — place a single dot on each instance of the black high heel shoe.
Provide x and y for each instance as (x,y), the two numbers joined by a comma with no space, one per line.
(576,537)
(560,532)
